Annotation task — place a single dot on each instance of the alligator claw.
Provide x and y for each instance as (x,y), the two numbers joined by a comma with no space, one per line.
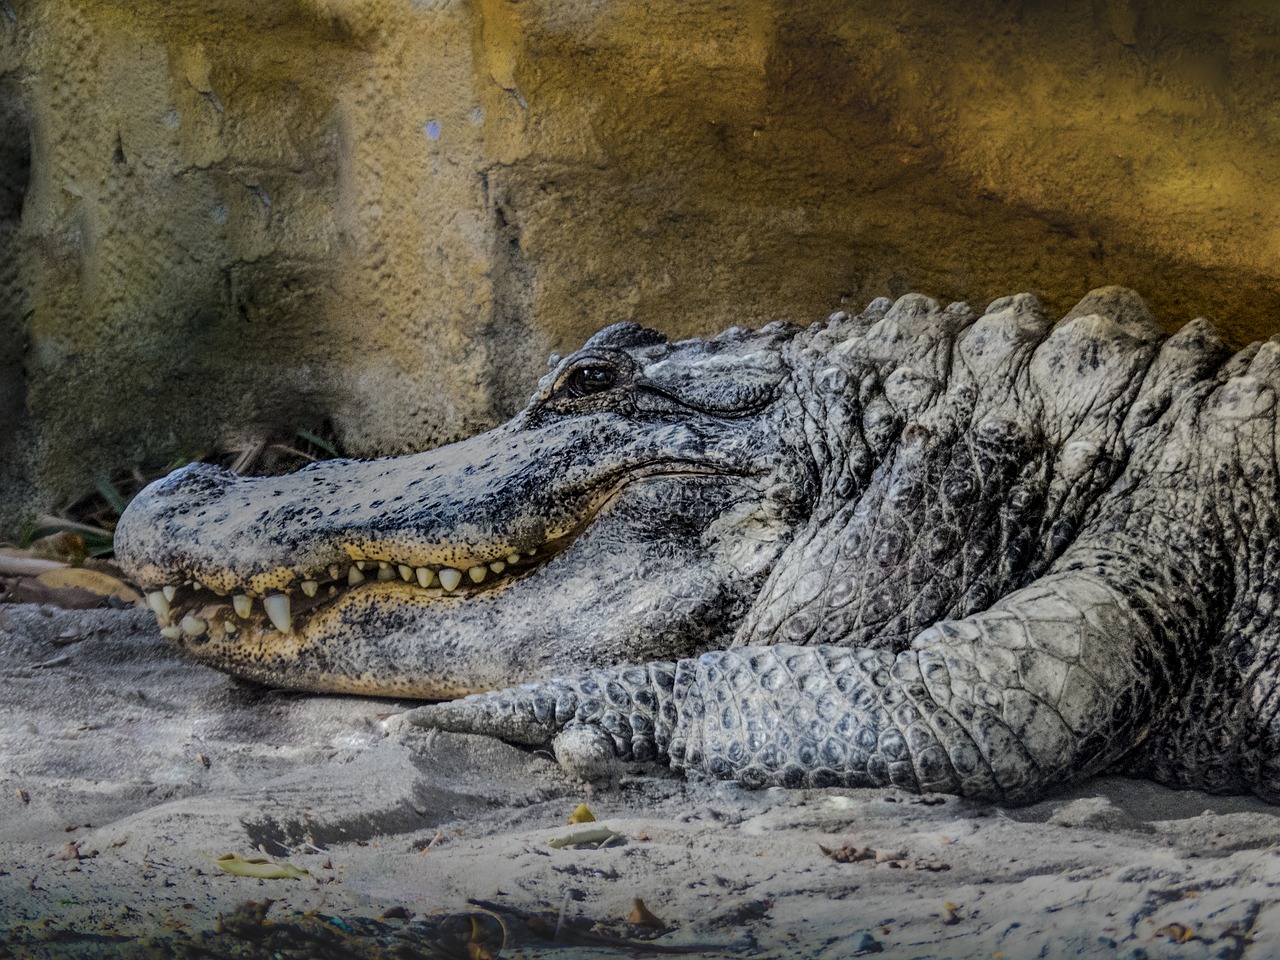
(622,713)
(588,752)
(515,716)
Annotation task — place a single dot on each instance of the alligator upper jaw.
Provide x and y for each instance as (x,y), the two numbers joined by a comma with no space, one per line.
(587,599)
(233,559)
(189,609)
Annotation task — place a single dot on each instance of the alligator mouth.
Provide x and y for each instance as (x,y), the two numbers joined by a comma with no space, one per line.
(194,611)
(197,603)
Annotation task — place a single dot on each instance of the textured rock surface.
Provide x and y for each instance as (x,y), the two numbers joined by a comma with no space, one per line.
(375,213)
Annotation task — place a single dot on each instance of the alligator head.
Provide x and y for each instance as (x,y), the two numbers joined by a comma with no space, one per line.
(631,511)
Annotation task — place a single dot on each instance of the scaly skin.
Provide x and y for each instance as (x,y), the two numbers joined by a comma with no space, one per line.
(986,556)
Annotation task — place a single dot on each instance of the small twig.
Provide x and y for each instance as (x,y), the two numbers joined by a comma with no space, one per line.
(15,563)
(432,845)
(248,455)
(597,835)
(564,907)
(294,452)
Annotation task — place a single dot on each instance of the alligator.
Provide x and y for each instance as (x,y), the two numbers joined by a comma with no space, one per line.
(914,547)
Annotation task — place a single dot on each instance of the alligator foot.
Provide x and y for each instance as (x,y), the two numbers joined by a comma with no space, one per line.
(592,722)
(1029,691)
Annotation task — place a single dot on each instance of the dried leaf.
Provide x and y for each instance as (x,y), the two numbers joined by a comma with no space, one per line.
(642,916)
(100,584)
(71,851)
(848,853)
(259,867)
(1177,932)
(92,540)
(64,546)
(582,814)
(478,947)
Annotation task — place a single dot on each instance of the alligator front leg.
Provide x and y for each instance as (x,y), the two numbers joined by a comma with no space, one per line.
(1052,684)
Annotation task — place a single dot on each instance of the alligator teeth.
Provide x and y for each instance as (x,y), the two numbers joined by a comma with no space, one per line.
(277,607)
(159,604)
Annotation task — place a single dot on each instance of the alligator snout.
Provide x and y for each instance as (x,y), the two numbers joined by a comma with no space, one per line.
(298,542)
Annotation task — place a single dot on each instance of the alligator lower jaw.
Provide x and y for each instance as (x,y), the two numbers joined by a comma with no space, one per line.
(190,609)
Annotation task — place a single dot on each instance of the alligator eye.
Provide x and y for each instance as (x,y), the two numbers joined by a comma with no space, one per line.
(593,378)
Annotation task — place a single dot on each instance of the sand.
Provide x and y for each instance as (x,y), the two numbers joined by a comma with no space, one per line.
(127,771)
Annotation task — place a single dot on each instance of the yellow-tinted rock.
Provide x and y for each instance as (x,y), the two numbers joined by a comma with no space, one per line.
(385,213)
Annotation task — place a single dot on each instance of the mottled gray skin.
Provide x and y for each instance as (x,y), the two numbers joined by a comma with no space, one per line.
(986,556)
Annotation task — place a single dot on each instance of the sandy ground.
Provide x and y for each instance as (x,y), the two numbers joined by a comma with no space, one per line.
(126,772)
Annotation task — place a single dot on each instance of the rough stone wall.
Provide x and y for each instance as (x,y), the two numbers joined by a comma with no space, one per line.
(239,214)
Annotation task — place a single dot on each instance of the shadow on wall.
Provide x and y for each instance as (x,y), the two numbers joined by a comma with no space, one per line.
(15,170)
(244,216)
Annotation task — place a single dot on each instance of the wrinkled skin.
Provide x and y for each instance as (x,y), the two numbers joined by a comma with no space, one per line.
(985,556)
